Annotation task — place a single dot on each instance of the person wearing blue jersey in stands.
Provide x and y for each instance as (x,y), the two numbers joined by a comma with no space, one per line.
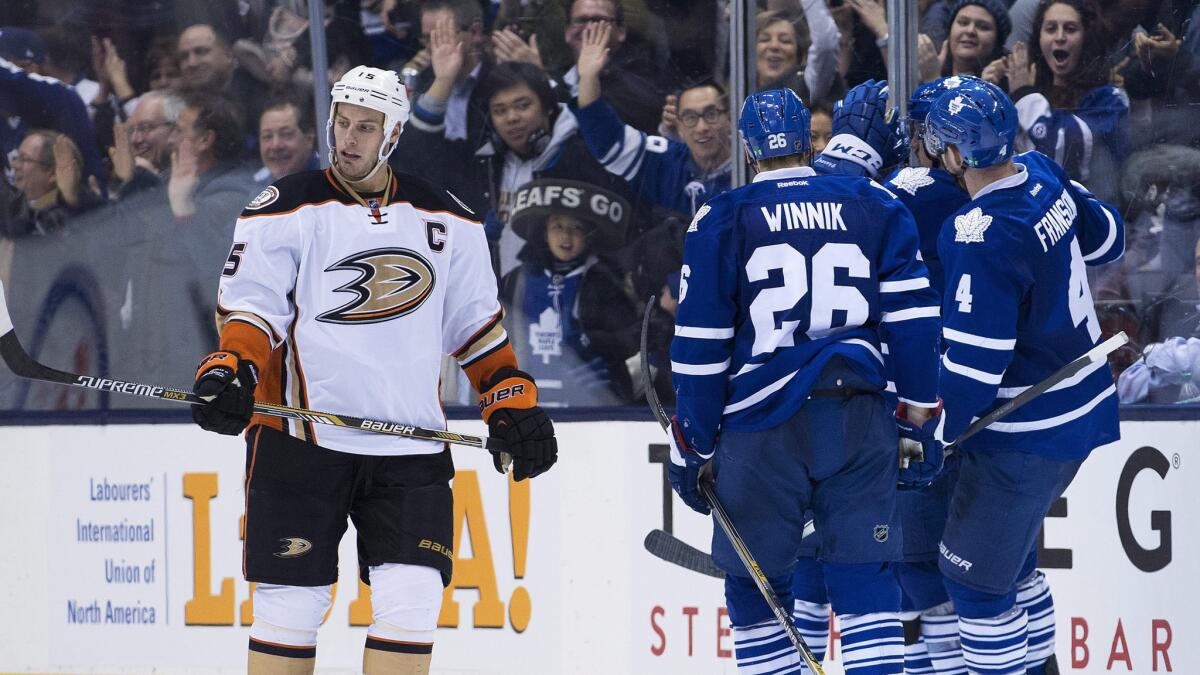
(1016,308)
(788,286)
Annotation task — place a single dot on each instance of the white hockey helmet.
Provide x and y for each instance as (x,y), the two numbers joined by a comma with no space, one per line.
(373,88)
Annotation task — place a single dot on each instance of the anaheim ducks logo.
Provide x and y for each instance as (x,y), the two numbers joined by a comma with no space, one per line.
(391,283)
(294,547)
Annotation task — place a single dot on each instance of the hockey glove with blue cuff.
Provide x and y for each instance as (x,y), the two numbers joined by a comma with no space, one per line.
(227,382)
(922,455)
(866,133)
(509,406)
(684,471)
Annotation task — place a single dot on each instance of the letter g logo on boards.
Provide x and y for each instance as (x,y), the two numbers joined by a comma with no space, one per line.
(1153,559)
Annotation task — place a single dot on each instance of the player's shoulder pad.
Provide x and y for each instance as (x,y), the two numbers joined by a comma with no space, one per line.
(426,196)
(290,193)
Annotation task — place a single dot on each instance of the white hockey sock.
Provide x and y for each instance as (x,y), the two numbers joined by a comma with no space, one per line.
(995,646)
(765,648)
(1033,595)
(812,620)
(939,632)
(872,644)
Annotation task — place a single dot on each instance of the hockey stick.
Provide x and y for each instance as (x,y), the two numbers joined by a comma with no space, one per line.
(688,560)
(662,544)
(783,616)
(666,546)
(22,365)
(1098,353)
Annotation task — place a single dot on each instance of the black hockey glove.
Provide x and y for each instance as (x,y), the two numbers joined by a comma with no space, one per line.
(509,406)
(228,383)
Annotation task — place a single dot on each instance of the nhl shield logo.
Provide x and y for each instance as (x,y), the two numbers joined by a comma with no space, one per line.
(881,533)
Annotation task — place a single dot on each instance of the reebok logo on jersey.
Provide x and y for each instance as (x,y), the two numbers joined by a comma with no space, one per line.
(294,547)
(911,179)
(391,283)
(970,226)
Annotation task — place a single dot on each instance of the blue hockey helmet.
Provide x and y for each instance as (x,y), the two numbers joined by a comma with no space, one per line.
(924,95)
(774,123)
(978,118)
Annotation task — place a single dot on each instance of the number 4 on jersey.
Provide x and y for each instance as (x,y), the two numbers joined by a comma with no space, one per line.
(962,295)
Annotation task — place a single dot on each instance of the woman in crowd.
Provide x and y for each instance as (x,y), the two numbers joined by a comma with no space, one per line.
(975,37)
(781,42)
(1068,109)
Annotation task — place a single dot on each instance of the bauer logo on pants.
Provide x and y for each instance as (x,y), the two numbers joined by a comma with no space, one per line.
(391,283)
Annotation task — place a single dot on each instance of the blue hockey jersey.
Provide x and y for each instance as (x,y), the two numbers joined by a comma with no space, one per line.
(783,274)
(659,169)
(1017,307)
(931,195)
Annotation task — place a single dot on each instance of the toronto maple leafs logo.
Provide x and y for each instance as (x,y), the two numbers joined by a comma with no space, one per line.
(957,104)
(952,82)
(695,226)
(969,227)
(911,179)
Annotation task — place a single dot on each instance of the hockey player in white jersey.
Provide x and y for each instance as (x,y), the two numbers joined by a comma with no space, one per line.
(1016,308)
(342,291)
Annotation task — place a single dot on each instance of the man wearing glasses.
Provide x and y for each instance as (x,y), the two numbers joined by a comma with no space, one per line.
(677,176)
(141,151)
(633,85)
(46,188)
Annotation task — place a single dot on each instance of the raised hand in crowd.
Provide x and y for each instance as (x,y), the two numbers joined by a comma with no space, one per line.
(510,48)
(110,71)
(446,56)
(1020,70)
(1157,47)
(996,71)
(185,176)
(872,14)
(670,117)
(121,154)
(385,15)
(593,56)
(929,59)
(67,171)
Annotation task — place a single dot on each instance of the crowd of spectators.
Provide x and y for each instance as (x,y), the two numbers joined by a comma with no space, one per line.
(621,104)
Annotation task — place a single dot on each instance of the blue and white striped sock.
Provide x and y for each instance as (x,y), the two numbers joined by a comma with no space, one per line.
(995,646)
(764,649)
(872,644)
(1033,595)
(939,632)
(812,620)
(916,660)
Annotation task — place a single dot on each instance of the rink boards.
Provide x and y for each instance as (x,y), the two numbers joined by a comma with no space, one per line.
(122,553)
